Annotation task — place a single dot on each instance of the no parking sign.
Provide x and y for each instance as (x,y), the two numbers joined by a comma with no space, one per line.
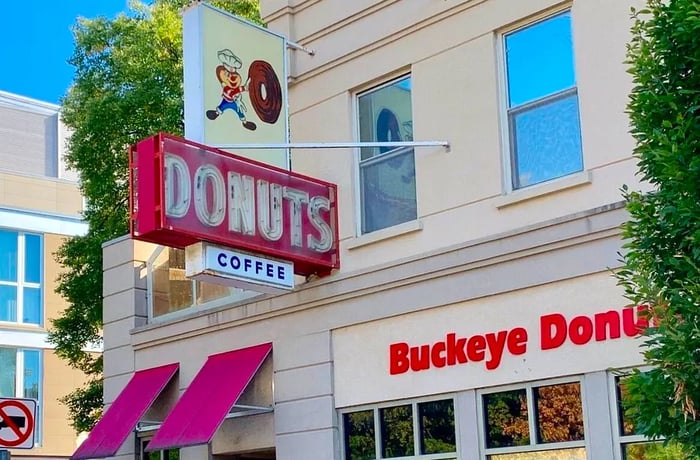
(17,421)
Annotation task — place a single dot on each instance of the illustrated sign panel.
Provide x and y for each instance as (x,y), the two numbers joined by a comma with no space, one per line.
(17,422)
(235,83)
(207,262)
(183,193)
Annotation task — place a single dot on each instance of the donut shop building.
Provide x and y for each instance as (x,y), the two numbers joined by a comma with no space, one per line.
(447,297)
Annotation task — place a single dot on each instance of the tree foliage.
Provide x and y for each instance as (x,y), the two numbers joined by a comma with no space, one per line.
(662,249)
(128,85)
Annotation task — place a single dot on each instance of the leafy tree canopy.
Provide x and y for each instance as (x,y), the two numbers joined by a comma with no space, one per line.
(662,258)
(128,85)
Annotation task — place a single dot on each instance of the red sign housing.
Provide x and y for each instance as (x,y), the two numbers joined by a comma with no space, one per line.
(182,193)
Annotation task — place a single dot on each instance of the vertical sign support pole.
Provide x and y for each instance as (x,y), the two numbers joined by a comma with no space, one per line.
(5,454)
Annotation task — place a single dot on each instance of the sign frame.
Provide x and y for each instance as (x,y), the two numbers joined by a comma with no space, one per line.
(27,409)
(149,219)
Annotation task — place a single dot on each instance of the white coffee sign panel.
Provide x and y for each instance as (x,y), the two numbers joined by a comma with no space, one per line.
(207,262)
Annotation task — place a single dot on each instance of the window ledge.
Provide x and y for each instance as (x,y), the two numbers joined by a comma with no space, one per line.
(537,191)
(384,234)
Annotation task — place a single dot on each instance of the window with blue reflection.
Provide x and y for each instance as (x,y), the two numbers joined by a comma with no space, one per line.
(8,377)
(8,303)
(543,111)
(31,311)
(8,255)
(32,373)
(32,258)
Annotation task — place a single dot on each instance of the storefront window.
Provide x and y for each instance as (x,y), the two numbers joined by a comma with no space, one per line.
(554,412)
(417,430)
(437,427)
(635,446)
(397,431)
(359,435)
(171,291)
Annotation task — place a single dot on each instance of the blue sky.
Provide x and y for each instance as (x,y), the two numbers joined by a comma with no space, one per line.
(36,43)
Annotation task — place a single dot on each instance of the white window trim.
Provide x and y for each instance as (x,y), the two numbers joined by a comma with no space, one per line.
(504,110)
(20,284)
(533,446)
(357,196)
(414,402)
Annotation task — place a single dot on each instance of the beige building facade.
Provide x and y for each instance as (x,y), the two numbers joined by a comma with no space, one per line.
(40,205)
(474,314)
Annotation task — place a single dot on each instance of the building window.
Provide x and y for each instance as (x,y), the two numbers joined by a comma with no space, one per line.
(171,291)
(20,377)
(417,430)
(543,109)
(633,445)
(21,269)
(387,175)
(534,422)
(169,454)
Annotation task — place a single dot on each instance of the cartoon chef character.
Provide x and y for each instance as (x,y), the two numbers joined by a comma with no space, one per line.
(232,87)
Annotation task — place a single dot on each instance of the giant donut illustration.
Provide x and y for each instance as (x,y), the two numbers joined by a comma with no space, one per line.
(265,91)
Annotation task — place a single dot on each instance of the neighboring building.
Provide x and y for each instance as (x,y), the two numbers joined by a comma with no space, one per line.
(474,315)
(40,205)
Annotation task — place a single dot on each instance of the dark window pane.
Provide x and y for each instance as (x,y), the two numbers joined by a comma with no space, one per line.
(559,413)
(31,310)
(359,435)
(32,373)
(8,256)
(437,427)
(546,141)
(8,364)
(626,423)
(652,451)
(506,419)
(397,431)
(32,258)
(388,184)
(388,191)
(540,60)
(8,303)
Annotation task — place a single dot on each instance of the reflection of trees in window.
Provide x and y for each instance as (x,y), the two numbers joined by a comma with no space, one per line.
(559,413)
(653,451)
(359,435)
(437,426)
(397,431)
(506,419)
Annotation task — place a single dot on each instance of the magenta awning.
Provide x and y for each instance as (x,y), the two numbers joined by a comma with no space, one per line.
(211,395)
(122,416)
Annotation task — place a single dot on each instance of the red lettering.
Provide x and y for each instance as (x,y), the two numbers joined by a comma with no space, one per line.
(496,344)
(604,322)
(517,341)
(581,330)
(456,352)
(420,358)
(629,325)
(437,354)
(552,331)
(398,358)
(476,348)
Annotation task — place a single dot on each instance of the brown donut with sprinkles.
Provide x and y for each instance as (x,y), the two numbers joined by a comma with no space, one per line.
(265,91)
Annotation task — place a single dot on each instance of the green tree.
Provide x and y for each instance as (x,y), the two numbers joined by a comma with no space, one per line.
(662,249)
(128,85)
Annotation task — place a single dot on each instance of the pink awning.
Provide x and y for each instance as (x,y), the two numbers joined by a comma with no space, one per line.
(122,416)
(211,395)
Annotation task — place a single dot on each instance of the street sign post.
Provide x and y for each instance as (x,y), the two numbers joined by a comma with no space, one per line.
(17,421)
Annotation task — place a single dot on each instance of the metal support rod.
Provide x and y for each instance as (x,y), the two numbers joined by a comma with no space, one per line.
(298,47)
(334,145)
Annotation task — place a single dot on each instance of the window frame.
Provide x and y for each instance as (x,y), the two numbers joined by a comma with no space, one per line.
(533,446)
(20,370)
(394,152)
(508,154)
(21,283)
(414,403)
